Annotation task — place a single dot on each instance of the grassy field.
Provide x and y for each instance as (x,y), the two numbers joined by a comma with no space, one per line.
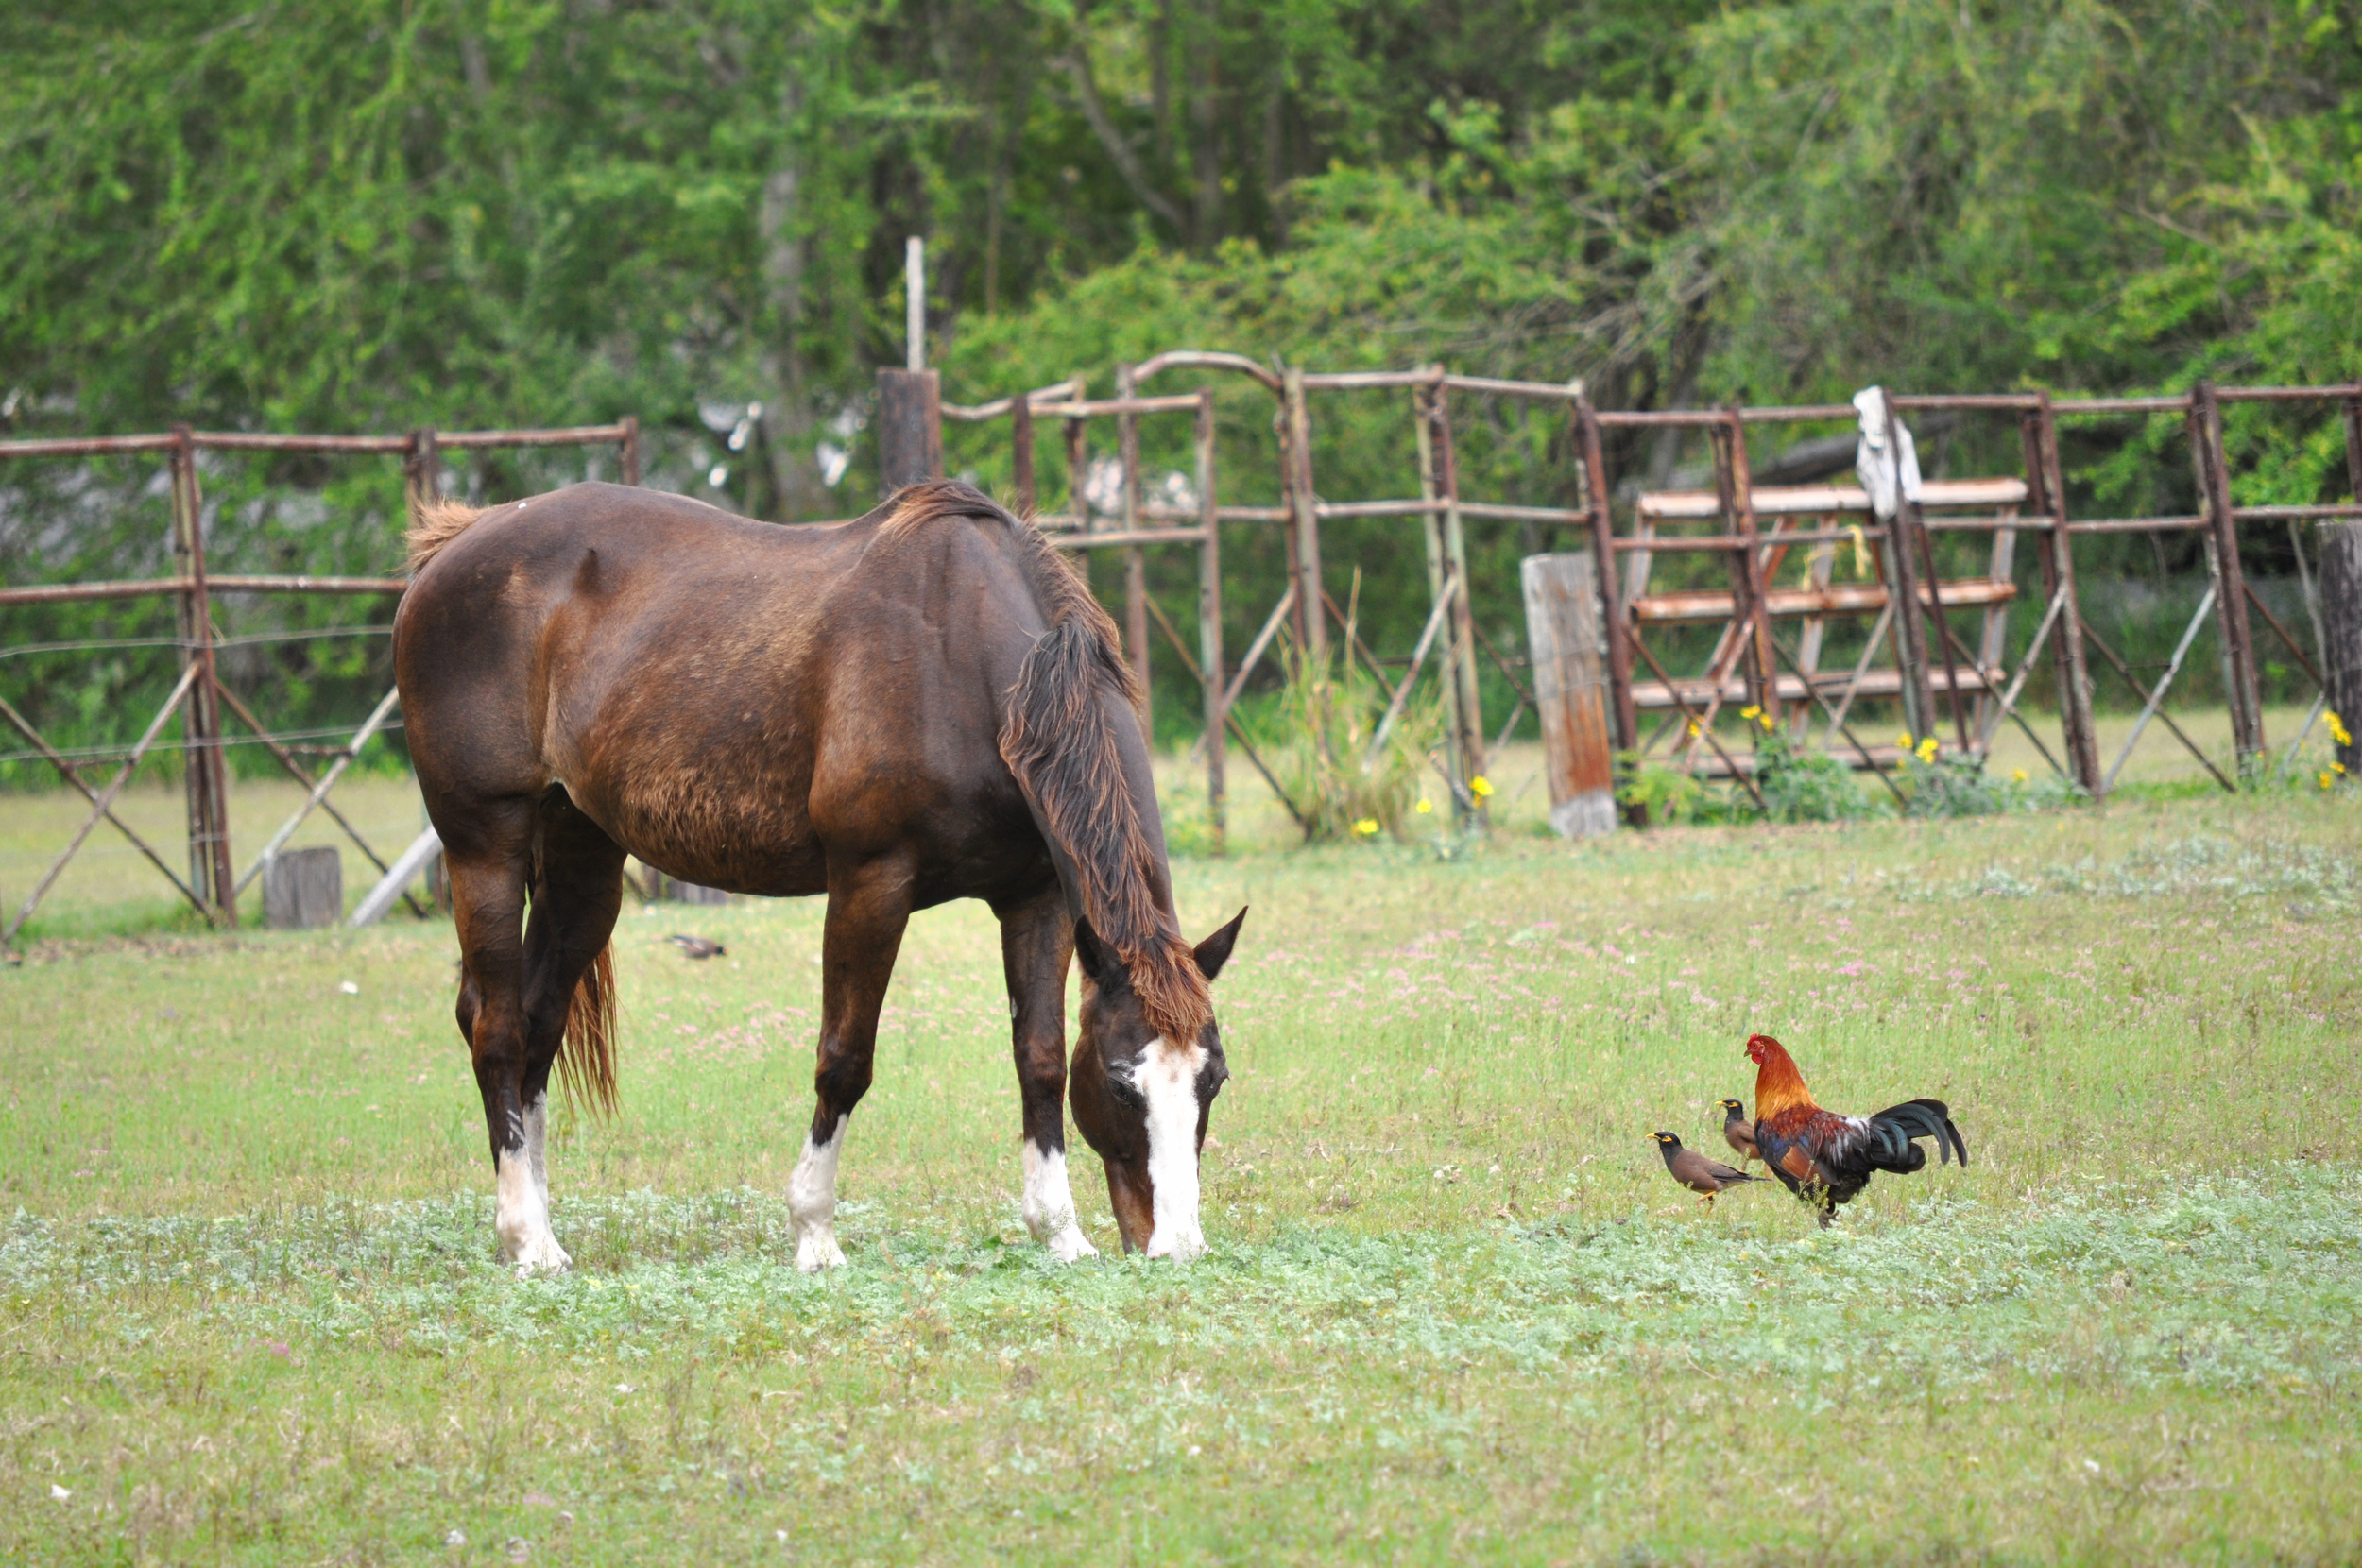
(1455,1311)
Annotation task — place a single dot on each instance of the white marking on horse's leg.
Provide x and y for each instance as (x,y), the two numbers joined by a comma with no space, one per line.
(811,1203)
(1167,1078)
(1049,1205)
(537,1145)
(521,1219)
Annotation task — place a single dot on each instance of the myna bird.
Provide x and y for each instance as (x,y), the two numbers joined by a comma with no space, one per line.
(698,947)
(1739,1131)
(1695,1171)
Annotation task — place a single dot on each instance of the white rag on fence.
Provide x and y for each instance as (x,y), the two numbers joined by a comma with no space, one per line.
(1889,469)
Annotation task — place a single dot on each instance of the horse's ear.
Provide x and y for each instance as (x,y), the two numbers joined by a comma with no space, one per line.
(1091,953)
(1214,951)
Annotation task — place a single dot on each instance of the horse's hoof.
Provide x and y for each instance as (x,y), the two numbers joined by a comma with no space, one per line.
(1071,1246)
(1181,1247)
(817,1249)
(542,1256)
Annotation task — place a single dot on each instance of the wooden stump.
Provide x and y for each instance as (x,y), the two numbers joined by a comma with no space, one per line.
(910,427)
(1562,630)
(2341,630)
(303,889)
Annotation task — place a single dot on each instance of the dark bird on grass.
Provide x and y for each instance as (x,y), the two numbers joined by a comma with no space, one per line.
(1827,1158)
(1695,1171)
(698,947)
(1739,1131)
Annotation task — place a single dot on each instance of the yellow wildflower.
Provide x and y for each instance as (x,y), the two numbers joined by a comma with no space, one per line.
(2017,775)
(1693,729)
(2337,767)
(2327,779)
(1366,827)
(1927,749)
(1764,718)
(2336,728)
(1425,806)
(1480,787)
(1749,712)
(1904,742)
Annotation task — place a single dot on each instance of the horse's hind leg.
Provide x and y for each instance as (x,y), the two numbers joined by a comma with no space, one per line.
(518,986)
(1037,941)
(577,893)
(868,906)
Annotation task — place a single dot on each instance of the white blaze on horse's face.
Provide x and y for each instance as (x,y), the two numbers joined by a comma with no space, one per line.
(1166,1076)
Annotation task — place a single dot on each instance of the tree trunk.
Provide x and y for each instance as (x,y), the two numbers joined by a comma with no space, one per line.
(2341,631)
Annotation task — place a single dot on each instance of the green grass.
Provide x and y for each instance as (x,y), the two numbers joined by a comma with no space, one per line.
(1455,1311)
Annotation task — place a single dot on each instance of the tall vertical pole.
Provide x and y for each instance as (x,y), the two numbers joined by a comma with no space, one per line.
(208,779)
(1209,626)
(1900,558)
(1135,558)
(1440,579)
(1622,712)
(2238,649)
(631,449)
(2047,496)
(1311,612)
(1461,655)
(2353,447)
(915,303)
(1021,454)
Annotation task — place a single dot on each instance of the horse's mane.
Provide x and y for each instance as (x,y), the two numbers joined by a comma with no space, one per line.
(1058,737)
(439,522)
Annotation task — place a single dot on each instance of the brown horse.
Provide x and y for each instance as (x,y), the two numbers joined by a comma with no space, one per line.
(920,706)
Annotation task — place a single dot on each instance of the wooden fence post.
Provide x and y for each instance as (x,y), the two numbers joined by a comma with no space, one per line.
(422,472)
(2342,633)
(1562,630)
(303,889)
(1735,479)
(910,427)
(631,449)
(1210,667)
(1021,454)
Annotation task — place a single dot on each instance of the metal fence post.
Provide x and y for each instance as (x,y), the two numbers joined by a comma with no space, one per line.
(1460,660)
(1911,632)
(1135,558)
(204,774)
(2238,650)
(2047,496)
(1623,715)
(1736,480)
(422,470)
(1312,616)
(1210,667)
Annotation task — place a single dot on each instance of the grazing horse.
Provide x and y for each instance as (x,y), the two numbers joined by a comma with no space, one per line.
(922,705)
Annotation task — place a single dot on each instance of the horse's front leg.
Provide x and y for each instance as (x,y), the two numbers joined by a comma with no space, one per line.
(1036,939)
(868,906)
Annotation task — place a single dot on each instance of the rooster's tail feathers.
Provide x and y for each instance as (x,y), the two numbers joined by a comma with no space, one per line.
(1925,1118)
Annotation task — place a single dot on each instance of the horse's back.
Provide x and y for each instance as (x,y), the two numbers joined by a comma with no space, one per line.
(724,697)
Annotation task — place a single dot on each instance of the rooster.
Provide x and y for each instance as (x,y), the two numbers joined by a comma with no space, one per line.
(1827,1158)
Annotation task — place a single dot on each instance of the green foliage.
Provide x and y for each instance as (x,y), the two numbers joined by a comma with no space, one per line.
(1320,739)
(1800,784)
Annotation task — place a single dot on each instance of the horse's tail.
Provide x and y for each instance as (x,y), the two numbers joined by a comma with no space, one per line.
(1059,737)
(586,1057)
(439,522)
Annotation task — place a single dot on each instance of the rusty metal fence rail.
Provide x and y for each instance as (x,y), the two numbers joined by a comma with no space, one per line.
(1956,685)
(212,883)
